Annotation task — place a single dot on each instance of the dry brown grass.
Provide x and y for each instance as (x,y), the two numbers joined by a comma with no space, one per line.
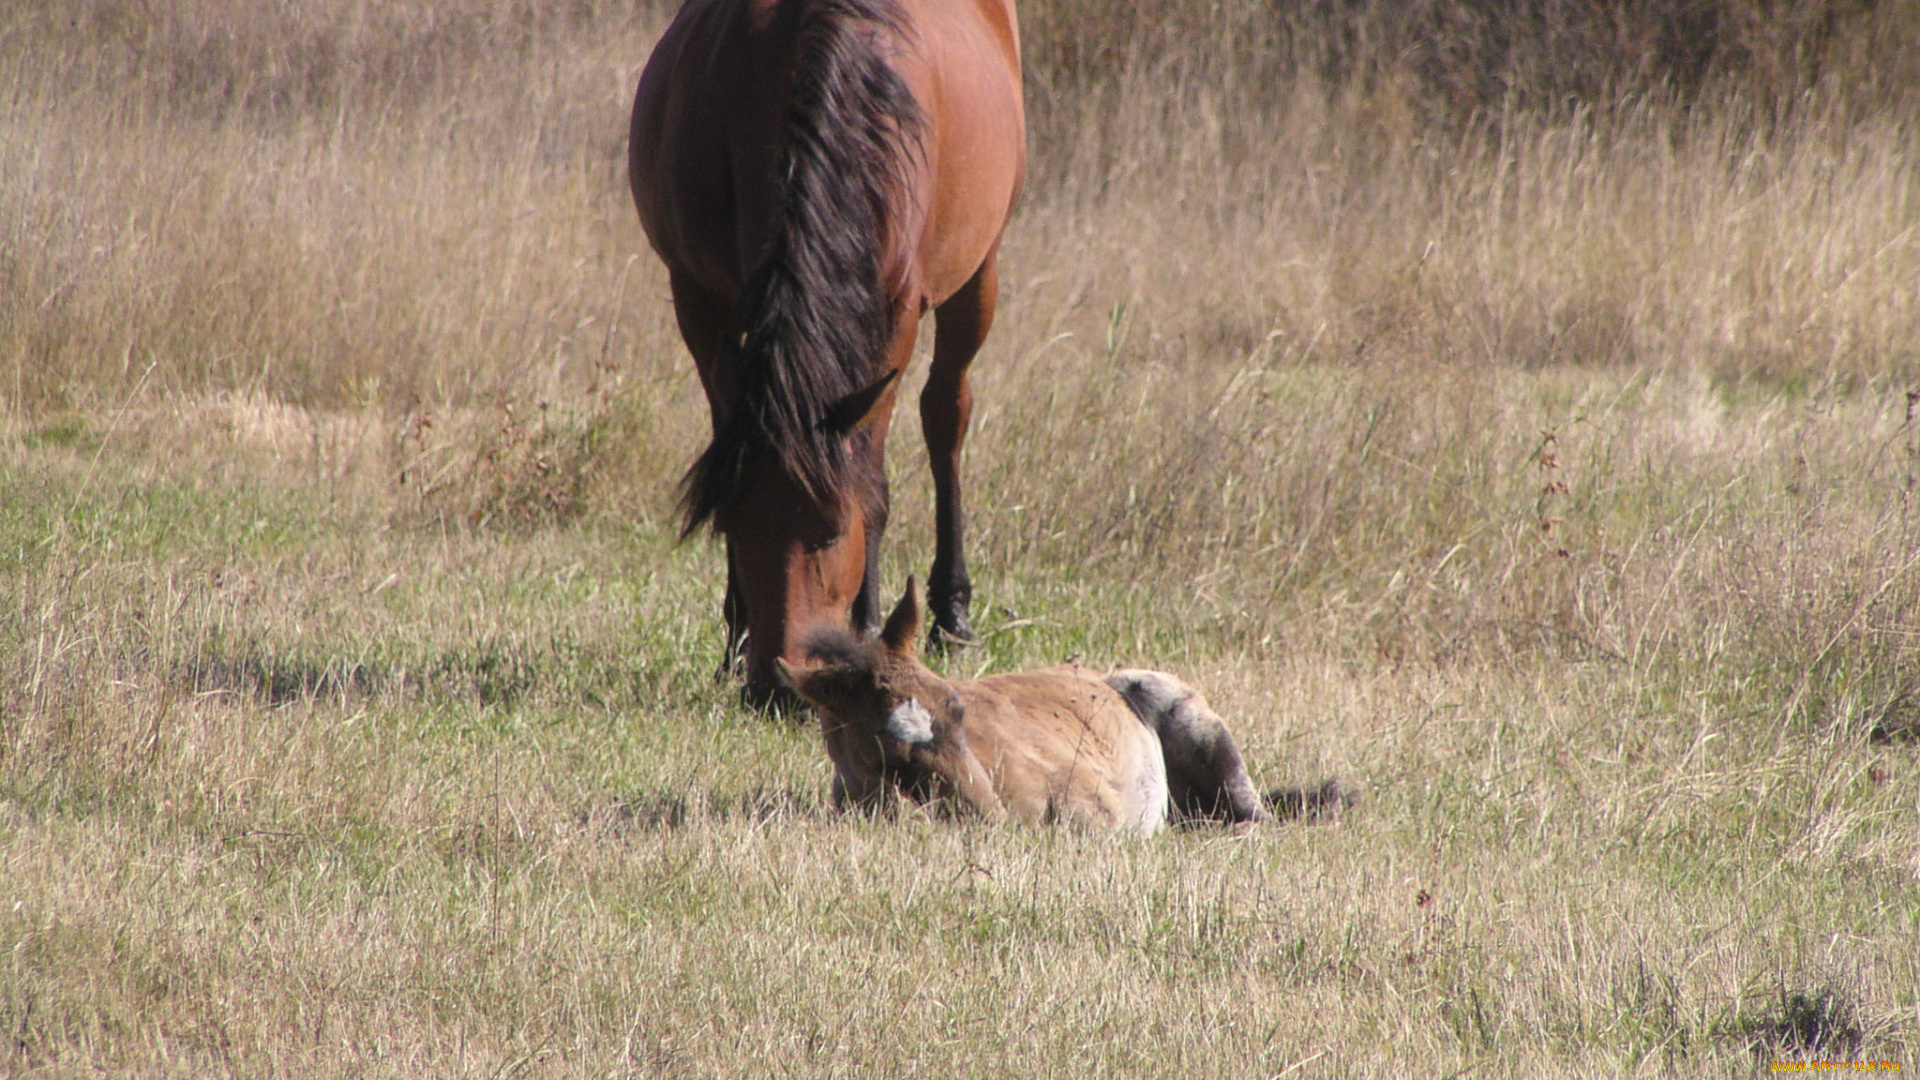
(1511,424)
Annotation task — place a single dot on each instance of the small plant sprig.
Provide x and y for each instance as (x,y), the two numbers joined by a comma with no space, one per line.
(1553,494)
(1913,459)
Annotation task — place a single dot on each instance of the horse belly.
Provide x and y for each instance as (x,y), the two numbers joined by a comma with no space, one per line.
(1116,778)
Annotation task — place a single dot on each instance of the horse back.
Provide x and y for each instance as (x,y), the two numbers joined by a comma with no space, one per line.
(711,117)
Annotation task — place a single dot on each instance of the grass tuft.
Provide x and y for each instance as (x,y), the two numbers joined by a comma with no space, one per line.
(1824,1021)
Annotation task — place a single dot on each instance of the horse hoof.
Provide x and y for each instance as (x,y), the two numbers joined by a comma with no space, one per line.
(951,629)
(942,640)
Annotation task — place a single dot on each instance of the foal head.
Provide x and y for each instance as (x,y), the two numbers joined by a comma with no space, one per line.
(889,721)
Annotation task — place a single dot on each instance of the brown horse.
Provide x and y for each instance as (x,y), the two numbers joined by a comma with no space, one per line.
(1131,750)
(817,175)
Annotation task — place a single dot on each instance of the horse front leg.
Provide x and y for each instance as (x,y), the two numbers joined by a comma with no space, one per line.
(946,408)
(706,328)
(733,658)
(866,611)
(865,616)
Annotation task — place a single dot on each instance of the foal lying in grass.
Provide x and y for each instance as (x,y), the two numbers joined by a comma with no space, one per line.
(1130,750)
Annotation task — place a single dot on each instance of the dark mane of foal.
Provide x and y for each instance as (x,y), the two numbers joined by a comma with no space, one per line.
(816,318)
(843,650)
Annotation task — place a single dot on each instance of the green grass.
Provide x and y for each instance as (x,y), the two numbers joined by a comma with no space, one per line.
(497,815)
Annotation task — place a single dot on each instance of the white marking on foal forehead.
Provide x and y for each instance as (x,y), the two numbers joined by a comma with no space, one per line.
(910,722)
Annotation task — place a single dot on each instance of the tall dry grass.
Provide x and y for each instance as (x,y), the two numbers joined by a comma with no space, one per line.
(324,203)
(1503,404)
(217,199)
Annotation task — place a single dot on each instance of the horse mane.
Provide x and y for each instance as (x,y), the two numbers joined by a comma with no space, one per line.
(816,315)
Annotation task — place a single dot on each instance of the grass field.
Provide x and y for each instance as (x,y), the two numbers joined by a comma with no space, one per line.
(1527,440)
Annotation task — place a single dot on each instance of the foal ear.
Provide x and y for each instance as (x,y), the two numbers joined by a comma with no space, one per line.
(808,682)
(787,675)
(903,626)
(858,407)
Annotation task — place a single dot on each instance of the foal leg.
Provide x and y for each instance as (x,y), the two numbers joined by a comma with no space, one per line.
(1206,776)
(946,407)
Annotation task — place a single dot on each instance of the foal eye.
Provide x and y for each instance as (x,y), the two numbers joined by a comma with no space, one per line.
(911,723)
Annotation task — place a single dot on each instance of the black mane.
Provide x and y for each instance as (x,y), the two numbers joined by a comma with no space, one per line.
(815,316)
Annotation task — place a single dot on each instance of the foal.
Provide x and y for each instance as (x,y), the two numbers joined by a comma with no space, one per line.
(1129,751)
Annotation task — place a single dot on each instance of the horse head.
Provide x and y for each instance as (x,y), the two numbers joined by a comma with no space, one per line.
(800,550)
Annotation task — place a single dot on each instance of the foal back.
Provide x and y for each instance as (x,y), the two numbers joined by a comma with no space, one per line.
(1061,745)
